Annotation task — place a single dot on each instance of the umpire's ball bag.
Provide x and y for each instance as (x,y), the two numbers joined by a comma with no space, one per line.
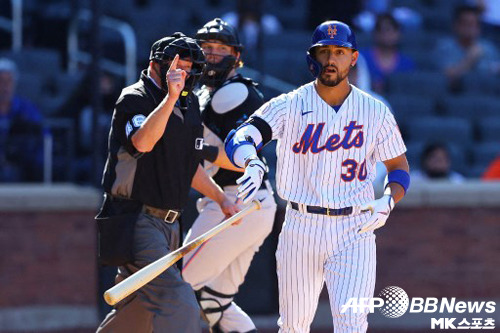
(116,223)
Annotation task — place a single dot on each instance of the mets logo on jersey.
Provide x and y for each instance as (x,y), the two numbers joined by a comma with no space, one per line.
(353,137)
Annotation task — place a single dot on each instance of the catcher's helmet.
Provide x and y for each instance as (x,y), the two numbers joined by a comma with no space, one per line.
(164,50)
(329,33)
(219,31)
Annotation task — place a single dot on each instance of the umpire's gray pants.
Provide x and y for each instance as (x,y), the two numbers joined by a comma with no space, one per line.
(166,304)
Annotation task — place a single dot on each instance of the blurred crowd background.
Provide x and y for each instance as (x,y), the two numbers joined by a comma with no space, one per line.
(435,63)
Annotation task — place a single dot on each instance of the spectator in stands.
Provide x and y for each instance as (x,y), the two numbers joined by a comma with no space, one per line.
(466,52)
(435,164)
(109,92)
(384,57)
(492,172)
(85,142)
(21,131)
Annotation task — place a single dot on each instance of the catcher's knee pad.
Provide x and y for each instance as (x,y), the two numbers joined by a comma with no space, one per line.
(213,304)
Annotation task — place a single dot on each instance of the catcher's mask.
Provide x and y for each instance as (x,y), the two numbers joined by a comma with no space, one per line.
(219,31)
(329,33)
(164,50)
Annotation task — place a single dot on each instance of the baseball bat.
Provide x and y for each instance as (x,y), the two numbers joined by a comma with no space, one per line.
(151,271)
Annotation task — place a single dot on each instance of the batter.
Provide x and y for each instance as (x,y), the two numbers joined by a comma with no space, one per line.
(330,135)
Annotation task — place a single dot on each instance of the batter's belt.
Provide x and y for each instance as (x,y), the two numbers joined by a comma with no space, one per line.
(323,211)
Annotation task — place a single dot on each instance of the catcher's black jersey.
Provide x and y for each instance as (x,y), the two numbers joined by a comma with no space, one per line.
(162,177)
(220,117)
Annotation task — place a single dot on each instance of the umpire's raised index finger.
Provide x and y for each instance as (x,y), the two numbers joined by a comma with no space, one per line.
(173,65)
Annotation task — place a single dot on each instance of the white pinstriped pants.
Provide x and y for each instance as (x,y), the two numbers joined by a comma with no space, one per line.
(314,249)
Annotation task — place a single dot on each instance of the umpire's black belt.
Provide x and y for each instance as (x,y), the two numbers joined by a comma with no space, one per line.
(324,211)
(167,215)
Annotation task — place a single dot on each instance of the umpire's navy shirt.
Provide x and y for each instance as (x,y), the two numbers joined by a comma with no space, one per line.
(162,177)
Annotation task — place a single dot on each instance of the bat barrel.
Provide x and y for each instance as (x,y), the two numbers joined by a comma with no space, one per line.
(140,278)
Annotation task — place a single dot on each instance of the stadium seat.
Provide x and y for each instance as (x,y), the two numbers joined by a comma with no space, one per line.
(124,11)
(58,90)
(442,129)
(481,83)
(292,41)
(45,62)
(484,153)
(414,4)
(292,14)
(407,107)
(471,106)
(160,25)
(438,17)
(421,58)
(364,39)
(489,129)
(29,86)
(475,171)
(287,66)
(418,83)
(63,132)
(417,40)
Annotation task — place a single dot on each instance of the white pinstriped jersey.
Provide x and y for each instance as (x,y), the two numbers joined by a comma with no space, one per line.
(327,158)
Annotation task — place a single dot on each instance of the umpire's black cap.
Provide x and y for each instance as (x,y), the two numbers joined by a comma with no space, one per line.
(161,44)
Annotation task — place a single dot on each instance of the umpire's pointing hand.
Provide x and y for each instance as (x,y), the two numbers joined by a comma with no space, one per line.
(176,78)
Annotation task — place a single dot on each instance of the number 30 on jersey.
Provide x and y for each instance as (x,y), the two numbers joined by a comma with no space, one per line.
(352,169)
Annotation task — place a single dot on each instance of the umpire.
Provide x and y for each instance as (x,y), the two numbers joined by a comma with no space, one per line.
(155,149)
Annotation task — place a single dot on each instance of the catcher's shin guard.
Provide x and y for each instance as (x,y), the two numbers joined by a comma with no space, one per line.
(213,304)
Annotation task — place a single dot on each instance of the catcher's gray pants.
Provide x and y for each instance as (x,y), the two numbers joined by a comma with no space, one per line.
(222,262)
(166,304)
